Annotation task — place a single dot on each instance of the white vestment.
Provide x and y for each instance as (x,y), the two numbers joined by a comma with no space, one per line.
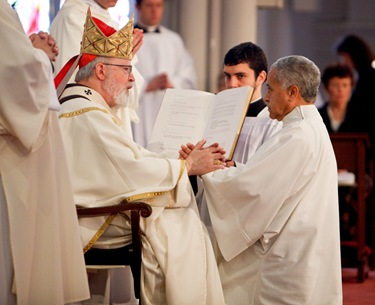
(276,219)
(178,265)
(162,52)
(40,246)
(67,29)
(255,131)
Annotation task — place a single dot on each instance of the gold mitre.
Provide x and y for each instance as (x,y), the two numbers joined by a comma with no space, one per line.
(102,40)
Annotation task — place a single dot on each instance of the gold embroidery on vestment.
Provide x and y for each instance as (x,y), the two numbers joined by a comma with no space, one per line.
(99,233)
(83,111)
(110,218)
(182,168)
(144,196)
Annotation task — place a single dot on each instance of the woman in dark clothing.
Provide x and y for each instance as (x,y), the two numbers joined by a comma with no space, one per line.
(338,83)
(349,112)
(357,54)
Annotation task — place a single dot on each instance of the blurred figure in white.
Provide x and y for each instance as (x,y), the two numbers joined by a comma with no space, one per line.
(164,62)
(41,261)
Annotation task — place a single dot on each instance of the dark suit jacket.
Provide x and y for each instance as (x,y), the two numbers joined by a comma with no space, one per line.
(255,108)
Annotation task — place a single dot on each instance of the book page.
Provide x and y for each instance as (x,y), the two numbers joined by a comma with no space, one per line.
(181,119)
(227,117)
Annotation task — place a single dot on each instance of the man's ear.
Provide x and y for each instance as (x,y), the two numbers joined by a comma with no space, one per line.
(100,71)
(293,91)
(261,77)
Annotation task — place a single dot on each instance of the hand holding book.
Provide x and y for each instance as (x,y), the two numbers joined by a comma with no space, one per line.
(187,116)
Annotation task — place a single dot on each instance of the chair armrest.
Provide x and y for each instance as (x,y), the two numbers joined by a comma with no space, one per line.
(143,208)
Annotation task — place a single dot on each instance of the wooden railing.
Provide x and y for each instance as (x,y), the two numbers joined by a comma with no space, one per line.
(350,150)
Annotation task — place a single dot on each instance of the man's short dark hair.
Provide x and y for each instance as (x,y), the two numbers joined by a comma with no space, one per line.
(249,53)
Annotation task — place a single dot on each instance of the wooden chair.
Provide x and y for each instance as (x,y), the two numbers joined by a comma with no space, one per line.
(130,255)
(350,150)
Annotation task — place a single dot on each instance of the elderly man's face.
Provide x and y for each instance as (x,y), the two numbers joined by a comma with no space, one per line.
(277,99)
(119,80)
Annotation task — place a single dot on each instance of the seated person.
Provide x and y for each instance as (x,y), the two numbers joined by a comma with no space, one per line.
(338,113)
(178,264)
(338,83)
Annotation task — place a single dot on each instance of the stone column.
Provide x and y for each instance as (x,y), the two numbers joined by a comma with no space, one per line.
(239,23)
(193,27)
(210,28)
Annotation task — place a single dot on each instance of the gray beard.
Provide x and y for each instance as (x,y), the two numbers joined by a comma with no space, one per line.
(120,96)
(122,99)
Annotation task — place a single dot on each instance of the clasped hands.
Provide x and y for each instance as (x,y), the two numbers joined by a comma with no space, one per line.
(201,160)
(46,43)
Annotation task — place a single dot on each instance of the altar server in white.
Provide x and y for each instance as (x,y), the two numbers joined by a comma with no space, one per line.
(178,263)
(246,65)
(276,217)
(164,62)
(41,261)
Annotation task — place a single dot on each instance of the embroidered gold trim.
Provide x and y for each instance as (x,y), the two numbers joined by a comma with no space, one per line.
(81,111)
(155,194)
(99,233)
(110,218)
(145,195)
(84,110)
(182,168)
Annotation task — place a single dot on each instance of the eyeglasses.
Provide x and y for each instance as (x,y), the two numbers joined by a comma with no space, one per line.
(127,68)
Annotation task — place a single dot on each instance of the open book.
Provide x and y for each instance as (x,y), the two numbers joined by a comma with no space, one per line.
(188,116)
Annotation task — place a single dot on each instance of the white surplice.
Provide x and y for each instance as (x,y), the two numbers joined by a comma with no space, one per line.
(162,52)
(255,131)
(41,254)
(67,29)
(276,219)
(178,265)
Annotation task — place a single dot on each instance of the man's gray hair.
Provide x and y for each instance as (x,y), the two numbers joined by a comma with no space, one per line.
(87,71)
(300,71)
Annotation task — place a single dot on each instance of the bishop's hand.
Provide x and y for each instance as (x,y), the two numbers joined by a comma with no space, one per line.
(200,160)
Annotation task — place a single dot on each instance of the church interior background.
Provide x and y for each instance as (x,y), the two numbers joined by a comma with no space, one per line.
(210,27)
